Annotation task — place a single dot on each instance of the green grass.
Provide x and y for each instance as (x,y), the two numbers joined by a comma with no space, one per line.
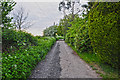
(88,57)
(104,70)
(110,71)
(59,37)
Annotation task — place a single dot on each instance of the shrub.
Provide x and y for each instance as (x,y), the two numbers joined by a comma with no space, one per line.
(104,30)
(20,64)
(12,38)
(51,31)
(77,35)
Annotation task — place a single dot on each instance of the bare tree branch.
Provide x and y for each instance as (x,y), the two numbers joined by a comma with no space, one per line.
(20,19)
(79,11)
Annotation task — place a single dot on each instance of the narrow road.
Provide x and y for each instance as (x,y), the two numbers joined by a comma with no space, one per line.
(62,63)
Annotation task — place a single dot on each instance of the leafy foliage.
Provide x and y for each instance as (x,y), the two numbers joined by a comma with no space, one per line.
(21,50)
(77,35)
(12,40)
(20,64)
(97,32)
(63,25)
(6,8)
(104,31)
(51,31)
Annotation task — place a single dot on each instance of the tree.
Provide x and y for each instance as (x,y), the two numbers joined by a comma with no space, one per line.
(20,19)
(70,6)
(51,31)
(64,24)
(6,8)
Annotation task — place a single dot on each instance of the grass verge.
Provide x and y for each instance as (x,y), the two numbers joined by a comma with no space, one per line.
(104,70)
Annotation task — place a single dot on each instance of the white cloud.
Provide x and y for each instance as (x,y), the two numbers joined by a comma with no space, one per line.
(37,0)
(47,0)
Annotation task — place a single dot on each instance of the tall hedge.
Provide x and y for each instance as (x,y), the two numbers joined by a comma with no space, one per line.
(14,39)
(104,28)
(77,35)
(20,63)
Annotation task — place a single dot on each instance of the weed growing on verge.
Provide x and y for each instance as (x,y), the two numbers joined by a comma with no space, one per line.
(104,70)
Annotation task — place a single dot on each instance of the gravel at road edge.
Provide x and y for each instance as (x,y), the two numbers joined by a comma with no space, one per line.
(50,67)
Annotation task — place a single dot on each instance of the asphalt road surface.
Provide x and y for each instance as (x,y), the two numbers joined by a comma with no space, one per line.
(60,62)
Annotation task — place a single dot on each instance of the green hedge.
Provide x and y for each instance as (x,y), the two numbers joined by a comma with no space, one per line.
(77,35)
(104,21)
(14,39)
(20,64)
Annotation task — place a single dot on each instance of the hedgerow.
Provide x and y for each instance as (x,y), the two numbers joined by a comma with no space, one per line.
(19,64)
(104,31)
(21,51)
(12,39)
(77,35)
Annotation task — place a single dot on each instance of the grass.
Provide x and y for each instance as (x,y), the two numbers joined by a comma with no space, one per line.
(59,37)
(104,70)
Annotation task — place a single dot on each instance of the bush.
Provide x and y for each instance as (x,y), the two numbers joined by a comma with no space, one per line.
(104,31)
(20,64)
(51,31)
(77,35)
(12,38)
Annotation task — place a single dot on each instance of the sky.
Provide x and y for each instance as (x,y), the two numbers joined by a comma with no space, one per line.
(42,13)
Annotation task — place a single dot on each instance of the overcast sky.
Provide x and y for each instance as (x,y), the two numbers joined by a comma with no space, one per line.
(42,13)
